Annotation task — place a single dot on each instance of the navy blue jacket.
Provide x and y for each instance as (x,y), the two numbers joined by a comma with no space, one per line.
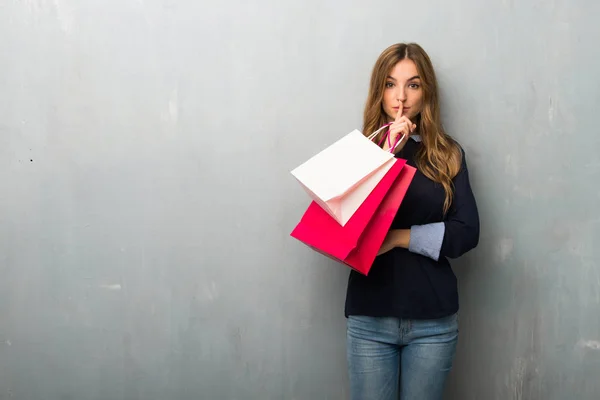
(418,282)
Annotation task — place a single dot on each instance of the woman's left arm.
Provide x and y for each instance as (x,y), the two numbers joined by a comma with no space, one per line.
(461,226)
(453,237)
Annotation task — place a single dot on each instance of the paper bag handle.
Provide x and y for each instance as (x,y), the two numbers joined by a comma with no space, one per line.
(392,148)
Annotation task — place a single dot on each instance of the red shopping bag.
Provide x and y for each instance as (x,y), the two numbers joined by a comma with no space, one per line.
(356,244)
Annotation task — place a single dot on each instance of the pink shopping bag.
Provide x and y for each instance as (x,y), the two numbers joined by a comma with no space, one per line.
(356,244)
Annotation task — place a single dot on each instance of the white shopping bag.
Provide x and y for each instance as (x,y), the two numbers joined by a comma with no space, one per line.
(342,176)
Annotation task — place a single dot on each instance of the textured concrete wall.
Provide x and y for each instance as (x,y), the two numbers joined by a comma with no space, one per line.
(146,197)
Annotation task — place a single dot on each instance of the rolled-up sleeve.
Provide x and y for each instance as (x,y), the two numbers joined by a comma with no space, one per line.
(427,239)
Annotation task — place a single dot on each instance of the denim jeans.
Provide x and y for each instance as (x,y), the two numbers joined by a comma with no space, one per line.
(406,359)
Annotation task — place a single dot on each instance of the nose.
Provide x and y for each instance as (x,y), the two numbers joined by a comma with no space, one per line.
(401,94)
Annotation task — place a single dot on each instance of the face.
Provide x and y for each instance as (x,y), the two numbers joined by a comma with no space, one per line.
(403,89)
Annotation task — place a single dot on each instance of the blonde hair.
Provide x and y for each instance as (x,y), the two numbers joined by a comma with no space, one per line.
(440,157)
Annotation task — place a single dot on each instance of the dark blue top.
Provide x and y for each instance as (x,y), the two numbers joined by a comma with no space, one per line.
(418,282)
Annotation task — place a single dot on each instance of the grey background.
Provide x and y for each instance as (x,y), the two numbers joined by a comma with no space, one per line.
(146,199)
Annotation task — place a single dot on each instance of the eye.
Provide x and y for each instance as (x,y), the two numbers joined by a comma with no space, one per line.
(389,85)
(414,86)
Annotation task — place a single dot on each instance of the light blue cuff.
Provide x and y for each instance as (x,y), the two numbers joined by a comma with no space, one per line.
(426,240)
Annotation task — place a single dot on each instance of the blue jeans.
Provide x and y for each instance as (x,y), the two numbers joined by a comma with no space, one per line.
(406,359)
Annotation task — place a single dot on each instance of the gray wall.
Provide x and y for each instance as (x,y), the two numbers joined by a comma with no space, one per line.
(146,198)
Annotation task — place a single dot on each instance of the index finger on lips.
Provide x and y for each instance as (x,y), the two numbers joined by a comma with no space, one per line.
(399,115)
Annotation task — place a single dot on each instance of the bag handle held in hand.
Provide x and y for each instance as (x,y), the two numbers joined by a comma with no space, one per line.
(387,135)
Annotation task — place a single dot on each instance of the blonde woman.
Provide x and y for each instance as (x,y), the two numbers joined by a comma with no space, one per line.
(403,318)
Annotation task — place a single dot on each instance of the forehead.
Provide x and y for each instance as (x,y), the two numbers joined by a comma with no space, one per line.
(404,69)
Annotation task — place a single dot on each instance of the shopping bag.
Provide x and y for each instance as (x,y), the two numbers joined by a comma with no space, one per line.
(340,177)
(357,243)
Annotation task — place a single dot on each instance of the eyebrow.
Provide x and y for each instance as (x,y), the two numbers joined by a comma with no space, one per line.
(411,79)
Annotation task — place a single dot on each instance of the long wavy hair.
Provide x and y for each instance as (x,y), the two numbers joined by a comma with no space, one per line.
(440,157)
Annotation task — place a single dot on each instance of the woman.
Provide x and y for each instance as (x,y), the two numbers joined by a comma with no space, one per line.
(403,317)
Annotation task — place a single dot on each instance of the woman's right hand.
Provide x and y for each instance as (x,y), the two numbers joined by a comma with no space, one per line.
(401,126)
